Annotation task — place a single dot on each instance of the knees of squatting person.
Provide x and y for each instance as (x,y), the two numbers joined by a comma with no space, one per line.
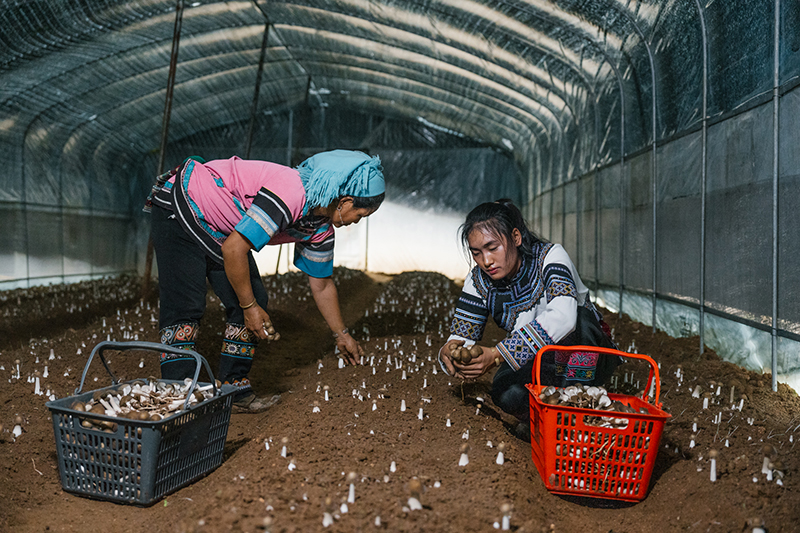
(509,390)
(509,393)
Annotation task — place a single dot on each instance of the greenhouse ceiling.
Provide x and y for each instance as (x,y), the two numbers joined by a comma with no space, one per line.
(86,80)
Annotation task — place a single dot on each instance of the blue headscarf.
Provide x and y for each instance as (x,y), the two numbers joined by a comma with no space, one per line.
(330,175)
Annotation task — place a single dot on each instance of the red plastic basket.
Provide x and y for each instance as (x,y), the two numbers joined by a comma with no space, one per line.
(581,459)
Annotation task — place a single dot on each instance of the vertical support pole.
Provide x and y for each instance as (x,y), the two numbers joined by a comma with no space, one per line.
(563,213)
(564,179)
(776,95)
(552,192)
(549,176)
(290,141)
(654,173)
(256,91)
(596,230)
(289,149)
(578,218)
(622,221)
(173,64)
(703,178)
(366,222)
(654,166)
(366,247)
(278,262)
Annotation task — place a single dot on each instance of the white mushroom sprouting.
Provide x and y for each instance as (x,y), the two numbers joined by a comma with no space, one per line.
(500,455)
(351,495)
(415,498)
(464,459)
(712,455)
(506,510)
(767,450)
(17,431)
(284,449)
(327,516)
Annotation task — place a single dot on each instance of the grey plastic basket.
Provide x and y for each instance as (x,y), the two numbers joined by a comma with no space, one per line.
(141,461)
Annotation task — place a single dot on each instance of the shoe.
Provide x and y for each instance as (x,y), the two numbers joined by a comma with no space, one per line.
(252,404)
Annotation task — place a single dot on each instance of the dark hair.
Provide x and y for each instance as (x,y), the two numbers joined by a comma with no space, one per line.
(368,202)
(501,218)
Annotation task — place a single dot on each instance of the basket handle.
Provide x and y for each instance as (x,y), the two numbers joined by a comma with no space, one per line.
(654,374)
(153,346)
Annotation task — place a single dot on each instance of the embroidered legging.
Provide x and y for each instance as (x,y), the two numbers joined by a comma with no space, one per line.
(183,272)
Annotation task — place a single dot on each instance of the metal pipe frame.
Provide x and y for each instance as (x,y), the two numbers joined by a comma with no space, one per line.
(173,65)
(704,176)
(776,98)
(256,91)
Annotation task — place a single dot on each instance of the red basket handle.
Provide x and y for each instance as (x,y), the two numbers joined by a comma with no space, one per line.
(597,349)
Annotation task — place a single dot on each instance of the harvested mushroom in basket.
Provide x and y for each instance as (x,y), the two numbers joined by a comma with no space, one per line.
(140,400)
(589,397)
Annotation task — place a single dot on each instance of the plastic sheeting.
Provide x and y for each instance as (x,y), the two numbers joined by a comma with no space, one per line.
(640,133)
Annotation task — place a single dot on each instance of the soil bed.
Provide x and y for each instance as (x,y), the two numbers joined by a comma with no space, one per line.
(362,429)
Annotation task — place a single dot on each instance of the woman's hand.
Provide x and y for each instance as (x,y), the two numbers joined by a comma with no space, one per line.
(256,320)
(349,348)
(479,365)
(447,358)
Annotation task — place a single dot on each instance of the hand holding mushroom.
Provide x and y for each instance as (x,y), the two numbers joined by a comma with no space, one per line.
(473,362)
(447,352)
(258,322)
(349,348)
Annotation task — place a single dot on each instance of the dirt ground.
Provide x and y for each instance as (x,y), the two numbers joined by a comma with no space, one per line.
(361,428)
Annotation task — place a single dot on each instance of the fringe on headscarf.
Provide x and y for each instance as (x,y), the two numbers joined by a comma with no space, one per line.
(330,175)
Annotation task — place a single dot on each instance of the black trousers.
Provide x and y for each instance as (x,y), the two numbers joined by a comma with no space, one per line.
(183,270)
(508,387)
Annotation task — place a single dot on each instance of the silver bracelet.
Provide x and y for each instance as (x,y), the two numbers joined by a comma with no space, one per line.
(345,331)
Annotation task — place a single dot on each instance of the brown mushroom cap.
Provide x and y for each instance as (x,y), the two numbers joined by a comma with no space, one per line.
(415,486)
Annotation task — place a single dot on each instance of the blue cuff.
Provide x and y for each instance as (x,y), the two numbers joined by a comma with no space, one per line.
(312,268)
(253,232)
